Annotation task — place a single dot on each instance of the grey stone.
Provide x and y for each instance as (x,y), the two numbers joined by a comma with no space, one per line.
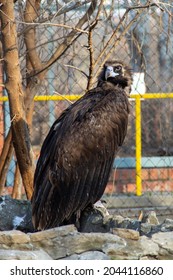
(152,218)
(132,249)
(52,233)
(13,236)
(145,228)
(118,222)
(118,219)
(92,219)
(93,255)
(167,225)
(72,257)
(168,221)
(148,247)
(115,250)
(164,241)
(90,255)
(23,255)
(15,214)
(126,233)
(60,246)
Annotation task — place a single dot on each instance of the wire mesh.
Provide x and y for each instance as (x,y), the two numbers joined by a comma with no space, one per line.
(137,32)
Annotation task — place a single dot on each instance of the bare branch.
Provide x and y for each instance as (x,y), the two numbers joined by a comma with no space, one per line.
(31,14)
(3,159)
(90,46)
(63,10)
(114,35)
(63,96)
(5,167)
(76,68)
(71,37)
(33,24)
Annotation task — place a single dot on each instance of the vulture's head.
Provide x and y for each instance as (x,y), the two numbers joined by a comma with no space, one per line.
(117,73)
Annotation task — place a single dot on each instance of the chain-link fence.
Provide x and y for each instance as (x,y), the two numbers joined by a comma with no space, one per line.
(137,32)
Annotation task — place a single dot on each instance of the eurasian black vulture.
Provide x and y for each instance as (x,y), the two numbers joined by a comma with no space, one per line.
(77,155)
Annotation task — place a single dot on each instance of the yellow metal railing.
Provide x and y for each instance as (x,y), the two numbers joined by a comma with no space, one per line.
(138,140)
(71,97)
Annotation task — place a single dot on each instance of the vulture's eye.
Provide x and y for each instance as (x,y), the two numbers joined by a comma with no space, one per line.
(118,68)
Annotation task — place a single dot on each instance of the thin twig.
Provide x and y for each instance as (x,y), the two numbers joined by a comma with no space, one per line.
(148,5)
(76,68)
(63,96)
(53,24)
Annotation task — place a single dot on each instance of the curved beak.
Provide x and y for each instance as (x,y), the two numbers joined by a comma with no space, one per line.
(110,72)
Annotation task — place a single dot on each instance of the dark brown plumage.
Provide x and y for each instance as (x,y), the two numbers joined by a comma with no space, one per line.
(78,152)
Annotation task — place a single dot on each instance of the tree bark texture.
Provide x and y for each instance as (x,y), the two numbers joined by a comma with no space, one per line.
(20,131)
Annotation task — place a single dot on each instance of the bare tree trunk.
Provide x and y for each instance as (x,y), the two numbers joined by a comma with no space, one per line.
(5,151)
(5,166)
(20,131)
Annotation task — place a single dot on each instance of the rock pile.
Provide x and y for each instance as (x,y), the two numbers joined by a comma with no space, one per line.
(112,237)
